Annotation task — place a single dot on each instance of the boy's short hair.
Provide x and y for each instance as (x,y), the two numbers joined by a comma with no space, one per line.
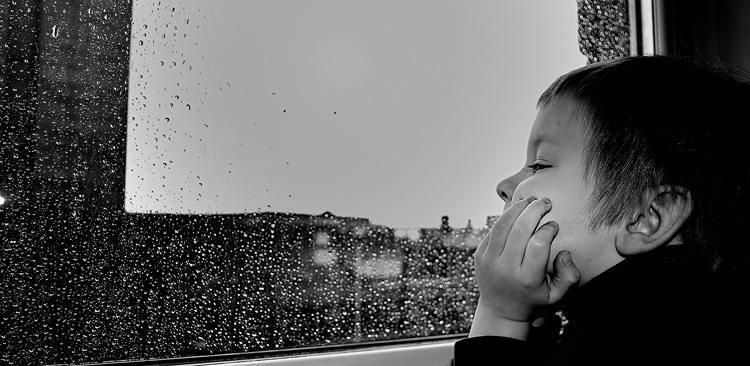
(653,120)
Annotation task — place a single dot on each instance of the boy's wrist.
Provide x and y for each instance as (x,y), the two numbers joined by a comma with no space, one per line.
(486,323)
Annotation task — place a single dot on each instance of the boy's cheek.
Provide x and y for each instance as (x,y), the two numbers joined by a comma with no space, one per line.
(560,242)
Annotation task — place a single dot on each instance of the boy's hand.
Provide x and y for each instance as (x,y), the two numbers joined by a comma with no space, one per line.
(511,264)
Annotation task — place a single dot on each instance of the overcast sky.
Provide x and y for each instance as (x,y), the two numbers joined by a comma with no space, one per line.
(398,111)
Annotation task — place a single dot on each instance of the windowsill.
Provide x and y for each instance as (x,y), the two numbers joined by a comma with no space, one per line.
(433,353)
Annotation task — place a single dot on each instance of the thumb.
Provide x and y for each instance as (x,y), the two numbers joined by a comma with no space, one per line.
(565,276)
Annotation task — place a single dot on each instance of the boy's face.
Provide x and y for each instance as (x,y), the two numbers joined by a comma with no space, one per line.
(556,145)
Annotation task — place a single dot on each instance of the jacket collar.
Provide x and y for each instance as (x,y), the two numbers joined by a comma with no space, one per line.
(622,288)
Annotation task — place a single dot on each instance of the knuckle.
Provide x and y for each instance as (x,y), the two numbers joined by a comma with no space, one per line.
(522,203)
(478,256)
(535,242)
(503,271)
(526,281)
(515,209)
(546,231)
(575,276)
(535,205)
(522,226)
(506,218)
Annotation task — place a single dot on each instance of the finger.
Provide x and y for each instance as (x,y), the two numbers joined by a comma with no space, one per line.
(566,275)
(522,230)
(535,258)
(538,322)
(482,246)
(499,232)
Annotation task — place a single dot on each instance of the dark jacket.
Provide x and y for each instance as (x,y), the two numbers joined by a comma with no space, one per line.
(658,308)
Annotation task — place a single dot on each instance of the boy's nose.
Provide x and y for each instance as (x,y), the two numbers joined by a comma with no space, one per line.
(504,195)
(507,187)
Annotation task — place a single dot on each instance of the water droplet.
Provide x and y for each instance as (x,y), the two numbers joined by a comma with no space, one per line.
(55,31)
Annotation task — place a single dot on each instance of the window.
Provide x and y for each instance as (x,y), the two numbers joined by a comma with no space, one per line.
(186,178)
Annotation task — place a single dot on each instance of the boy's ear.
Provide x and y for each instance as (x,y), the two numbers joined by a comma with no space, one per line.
(658,224)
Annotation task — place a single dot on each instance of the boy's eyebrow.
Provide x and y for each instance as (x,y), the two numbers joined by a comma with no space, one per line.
(537,140)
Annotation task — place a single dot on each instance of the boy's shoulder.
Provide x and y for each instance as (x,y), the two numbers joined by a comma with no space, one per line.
(663,304)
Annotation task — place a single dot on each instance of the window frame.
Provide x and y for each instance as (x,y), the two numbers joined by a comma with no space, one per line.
(429,350)
(642,21)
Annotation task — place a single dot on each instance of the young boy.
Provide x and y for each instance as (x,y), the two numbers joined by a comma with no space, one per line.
(628,216)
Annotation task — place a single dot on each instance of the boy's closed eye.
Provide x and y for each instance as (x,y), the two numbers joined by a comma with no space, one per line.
(537,166)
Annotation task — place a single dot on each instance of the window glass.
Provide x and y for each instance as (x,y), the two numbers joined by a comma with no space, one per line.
(344,130)
(205,177)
